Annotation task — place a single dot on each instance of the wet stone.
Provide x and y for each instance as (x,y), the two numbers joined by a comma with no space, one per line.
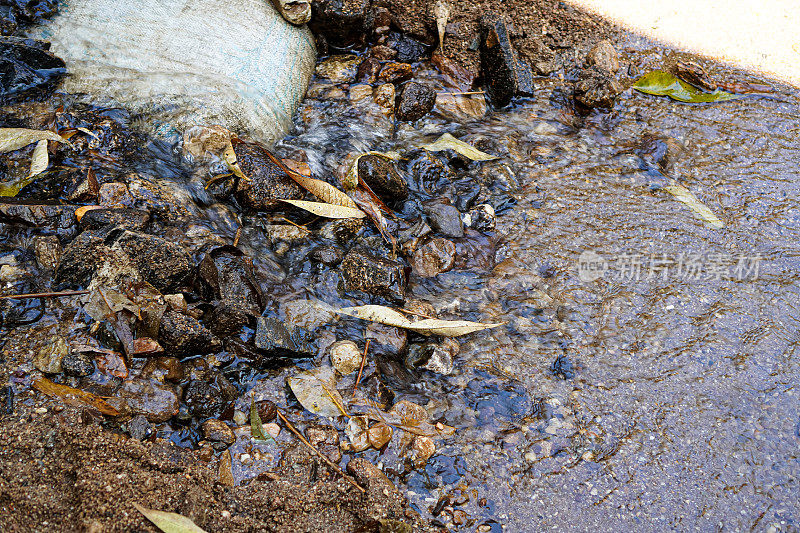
(115,195)
(326,440)
(445,219)
(162,263)
(381,174)
(540,56)
(267,410)
(208,399)
(133,219)
(58,219)
(77,364)
(481,218)
(48,358)
(409,50)
(368,70)
(339,68)
(155,401)
(219,432)
(562,367)
(232,282)
(505,73)
(26,64)
(596,88)
(326,255)
(436,357)
(268,182)
(386,339)
(342,22)
(139,428)
(277,339)
(396,72)
(15,313)
(433,258)
(48,251)
(604,56)
(383,52)
(384,95)
(181,335)
(365,272)
(414,101)
(345,356)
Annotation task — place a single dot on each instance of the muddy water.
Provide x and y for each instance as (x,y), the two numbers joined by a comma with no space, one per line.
(651,386)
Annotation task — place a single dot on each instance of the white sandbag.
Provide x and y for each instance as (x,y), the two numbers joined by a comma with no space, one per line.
(236,63)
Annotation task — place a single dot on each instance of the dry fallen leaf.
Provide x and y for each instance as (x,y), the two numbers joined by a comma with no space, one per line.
(229,156)
(169,522)
(74,396)
(85,209)
(316,391)
(15,138)
(327,210)
(685,196)
(441,11)
(39,160)
(428,326)
(448,142)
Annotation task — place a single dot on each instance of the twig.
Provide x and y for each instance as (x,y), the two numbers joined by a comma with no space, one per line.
(330,463)
(298,226)
(361,370)
(238,236)
(466,93)
(42,295)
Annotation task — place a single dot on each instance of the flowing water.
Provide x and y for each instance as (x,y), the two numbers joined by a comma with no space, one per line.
(658,392)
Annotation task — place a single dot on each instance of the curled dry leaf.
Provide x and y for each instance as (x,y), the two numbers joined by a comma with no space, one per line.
(327,210)
(169,522)
(428,326)
(15,138)
(229,156)
(448,142)
(39,160)
(441,11)
(316,391)
(74,396)
(201,140)
(685,196)
(85,209)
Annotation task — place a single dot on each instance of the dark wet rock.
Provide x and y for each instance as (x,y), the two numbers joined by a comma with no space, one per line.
(444,219)
(219,432)
(181,335)
(48,358)
(409,50)
(410,237)
(659,154)
(368,70)
(162,263)
(433,356)
(77,364)
(342,22)
(48,251)
(15,15)
(383,178)
(163,368)
(267,410)
(132,219)
(156,401)
(339,68)
(604,56)
(268,182)
(25,64)
(430,172)
(386,339)
(58,219)
(363,271)
(15,313)
(326,440)
(208,399)
(596,88)
(342,231)
(326,255)
(382,52)
(139,428)
(562,367)
(7,399)
(481,218)
(277,339)
(233,284)
(373,479)
(505,73)
(434,257)
(414,101)
(396,72)
(541,57)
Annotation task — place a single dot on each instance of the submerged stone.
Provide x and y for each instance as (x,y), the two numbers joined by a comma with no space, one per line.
(363,271)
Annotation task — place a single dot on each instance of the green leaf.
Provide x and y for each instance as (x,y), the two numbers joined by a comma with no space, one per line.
(169,522)
(685,196)
(256,427)
(11,188)
(662,83)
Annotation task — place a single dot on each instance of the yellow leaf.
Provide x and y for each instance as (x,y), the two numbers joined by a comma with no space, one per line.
(169,522)
(15,138)
(428,326)
(39,160)
(327,210)
(350,180)
(85,209)
(448,142)
(685,196)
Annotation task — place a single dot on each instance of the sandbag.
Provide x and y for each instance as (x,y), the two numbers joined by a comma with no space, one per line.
(235,63)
